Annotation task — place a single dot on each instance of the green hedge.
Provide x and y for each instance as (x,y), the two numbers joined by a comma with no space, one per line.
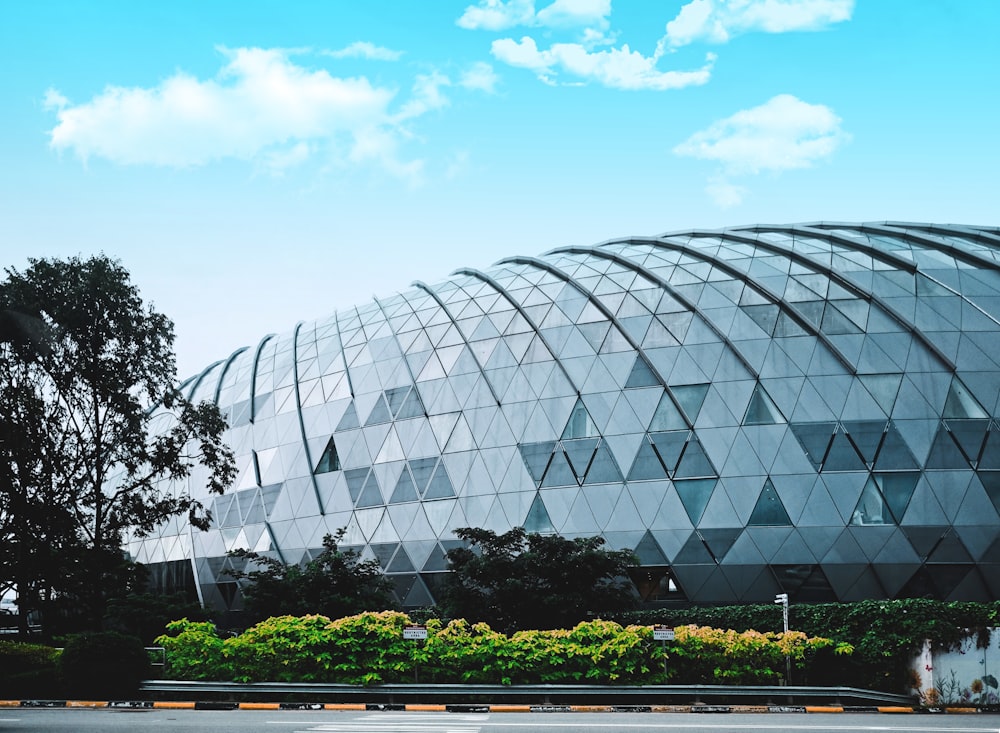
(28,670)
(884,634)
(369,649)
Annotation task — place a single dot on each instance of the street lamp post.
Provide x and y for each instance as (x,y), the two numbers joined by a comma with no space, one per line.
(782,599)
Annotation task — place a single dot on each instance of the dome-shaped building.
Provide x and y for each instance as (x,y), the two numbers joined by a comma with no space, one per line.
(809,409)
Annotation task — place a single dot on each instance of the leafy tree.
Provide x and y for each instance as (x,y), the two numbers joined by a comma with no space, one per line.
(519,580)
(335,584)
(82,359)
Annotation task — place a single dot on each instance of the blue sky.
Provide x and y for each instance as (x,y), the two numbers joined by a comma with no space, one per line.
(257,163)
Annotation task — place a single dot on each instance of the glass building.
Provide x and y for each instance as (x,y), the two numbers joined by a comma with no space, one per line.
(807,409)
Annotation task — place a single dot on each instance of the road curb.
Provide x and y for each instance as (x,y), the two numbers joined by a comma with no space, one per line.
(480,708)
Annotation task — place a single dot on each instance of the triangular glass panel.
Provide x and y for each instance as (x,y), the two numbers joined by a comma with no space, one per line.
(808,583)
(765,316)
(559,472)
(641,376)
(970,436)
(647,465)
(411,407)
(950,550)
(395,398)
(538,517)
(329,461)
(924,539)
(897,489)
(871,508)
(350,419)
(437,561)
(690,397)
(894,454)
(355,478)
(269,495)
(580,452)
(404,491)
(370,494)
(536,457)
(815,439)
(603,468)
(991,482)
(990,457)
(843,456)
(945,453)
(960,402)
(380,413)
(694,495)
(422,468)
(400,563)
(719,541)
(694,552)
(649,552)
(695,462)
(440,486)
(762,410)
(866,435)
(669,446)
(770,510)
(947,578)
(580,424)
(883,387)
(667,416)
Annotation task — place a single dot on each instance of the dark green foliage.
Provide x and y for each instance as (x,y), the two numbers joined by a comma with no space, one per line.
(28,670)
(884,634)
(103,665)
(336,583)
(520,580)
(81,360)
(146,615)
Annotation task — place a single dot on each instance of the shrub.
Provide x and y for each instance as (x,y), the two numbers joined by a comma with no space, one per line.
(28,670)
(193,651)
(103,665)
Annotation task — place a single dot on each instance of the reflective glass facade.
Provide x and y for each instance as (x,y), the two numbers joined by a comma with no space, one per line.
(808,409)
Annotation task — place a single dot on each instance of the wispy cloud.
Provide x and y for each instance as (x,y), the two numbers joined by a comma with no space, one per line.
(480,77)
(498,15)
(619,68)
(365,50)
(713,21)
(782,134)
(716,21)
(260,107)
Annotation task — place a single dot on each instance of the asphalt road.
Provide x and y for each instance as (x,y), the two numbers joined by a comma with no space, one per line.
(19,720)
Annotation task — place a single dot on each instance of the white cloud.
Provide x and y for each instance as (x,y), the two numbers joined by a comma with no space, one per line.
(782,134)
(427,95)
(481,77)
(365,50)
(261,106)
(619,68)
(716,21)
(575,14)
(724,193)
(498,15)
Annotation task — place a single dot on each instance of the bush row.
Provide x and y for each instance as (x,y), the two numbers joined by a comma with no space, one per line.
(369,649)
(885,634)
(93,665)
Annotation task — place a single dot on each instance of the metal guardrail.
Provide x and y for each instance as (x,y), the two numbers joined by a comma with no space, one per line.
(547,694)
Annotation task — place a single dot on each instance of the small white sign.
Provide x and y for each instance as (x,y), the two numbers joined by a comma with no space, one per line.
(415,632)
(663,633)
